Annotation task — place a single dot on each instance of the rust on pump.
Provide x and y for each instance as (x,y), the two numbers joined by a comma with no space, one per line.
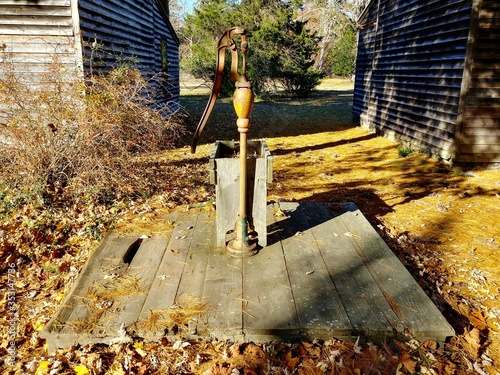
(243,101)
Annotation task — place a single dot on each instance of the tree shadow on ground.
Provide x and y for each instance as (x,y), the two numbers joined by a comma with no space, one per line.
(326,110)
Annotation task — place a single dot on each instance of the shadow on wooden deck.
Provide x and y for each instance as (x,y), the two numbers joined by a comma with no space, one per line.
(324,273)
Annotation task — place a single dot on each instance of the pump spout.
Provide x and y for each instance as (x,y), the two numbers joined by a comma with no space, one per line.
(226,41)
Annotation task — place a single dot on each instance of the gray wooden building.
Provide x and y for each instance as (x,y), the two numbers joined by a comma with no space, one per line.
(428,75)
(93,35)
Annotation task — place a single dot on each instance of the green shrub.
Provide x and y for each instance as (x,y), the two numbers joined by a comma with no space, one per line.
(404,151)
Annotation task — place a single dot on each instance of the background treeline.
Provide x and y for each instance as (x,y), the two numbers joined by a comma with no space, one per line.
(293,44)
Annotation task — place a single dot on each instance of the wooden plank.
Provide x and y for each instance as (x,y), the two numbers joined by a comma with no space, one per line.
(478,148)
(368,311)
(105,265)
(226,188)
(223,293)
(196,263)
(105,260)
(31,21)
(65,3)
(18,48)
(420,317)
(319,307)
(193,277)
(28,11)
(164,288)
(126,309)
(269,309)
(39,30)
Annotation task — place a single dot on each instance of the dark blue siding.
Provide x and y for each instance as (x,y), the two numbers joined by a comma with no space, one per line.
(130,32)
(410,68)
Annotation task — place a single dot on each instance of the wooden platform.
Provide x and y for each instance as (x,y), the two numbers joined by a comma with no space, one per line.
(325,273)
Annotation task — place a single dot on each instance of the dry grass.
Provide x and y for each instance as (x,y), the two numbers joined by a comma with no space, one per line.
(177,318)
(63,137)
(101,298)
(444,223)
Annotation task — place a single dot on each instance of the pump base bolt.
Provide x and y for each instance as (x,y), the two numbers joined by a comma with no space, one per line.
(242,246)
(240,249)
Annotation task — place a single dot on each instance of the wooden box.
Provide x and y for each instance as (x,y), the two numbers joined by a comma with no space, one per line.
(225,174)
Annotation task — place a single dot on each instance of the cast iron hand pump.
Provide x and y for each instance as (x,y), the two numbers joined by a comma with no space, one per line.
(243,100)
(226,41)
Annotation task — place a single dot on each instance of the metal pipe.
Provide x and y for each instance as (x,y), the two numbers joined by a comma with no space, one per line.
(243,100)
(243,175)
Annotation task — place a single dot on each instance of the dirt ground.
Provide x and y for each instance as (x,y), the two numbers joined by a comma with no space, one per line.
(442,222)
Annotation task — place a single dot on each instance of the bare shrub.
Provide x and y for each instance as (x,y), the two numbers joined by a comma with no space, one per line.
(62,134)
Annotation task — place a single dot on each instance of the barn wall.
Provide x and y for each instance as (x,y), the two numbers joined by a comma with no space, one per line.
(164,33)
(119,32)
(479,136)
(34,32)
(409,70)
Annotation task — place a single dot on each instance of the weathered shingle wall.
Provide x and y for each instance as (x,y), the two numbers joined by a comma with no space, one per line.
(35,32)
(165,34)
(479,139)
(128,32)
(409,70)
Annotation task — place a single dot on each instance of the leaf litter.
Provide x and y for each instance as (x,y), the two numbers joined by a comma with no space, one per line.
(442,223)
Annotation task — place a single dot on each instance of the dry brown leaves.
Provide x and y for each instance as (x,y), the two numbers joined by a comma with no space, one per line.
(443,223)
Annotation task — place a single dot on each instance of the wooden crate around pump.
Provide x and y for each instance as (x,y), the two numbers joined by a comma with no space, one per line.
(225,174)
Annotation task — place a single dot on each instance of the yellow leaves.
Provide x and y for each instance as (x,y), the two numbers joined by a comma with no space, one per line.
(43,368)
(478,320)
(38,325)
(138,345)
(81,370)
(59,296)
(115,369)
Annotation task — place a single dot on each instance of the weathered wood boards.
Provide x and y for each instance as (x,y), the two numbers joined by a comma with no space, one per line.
(326,273)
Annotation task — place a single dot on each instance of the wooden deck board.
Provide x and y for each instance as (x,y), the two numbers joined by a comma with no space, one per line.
(126,309)
(317,301)
(355,284)
(169,271)
(408,301)
(223,294)
(106,261)
(269,308)
(325,273)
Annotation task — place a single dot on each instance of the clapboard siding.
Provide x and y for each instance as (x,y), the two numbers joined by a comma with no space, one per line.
(479,139)
(171,96)
(130,31)
(120,30)
(113,32)
(409,70)
(37,3)
(428,74)
(37,33)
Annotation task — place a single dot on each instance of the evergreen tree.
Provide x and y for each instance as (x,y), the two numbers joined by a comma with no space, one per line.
(343,54)
(281,49)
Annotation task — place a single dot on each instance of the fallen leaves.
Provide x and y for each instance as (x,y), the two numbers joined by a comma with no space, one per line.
(439,223)
(472,342)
